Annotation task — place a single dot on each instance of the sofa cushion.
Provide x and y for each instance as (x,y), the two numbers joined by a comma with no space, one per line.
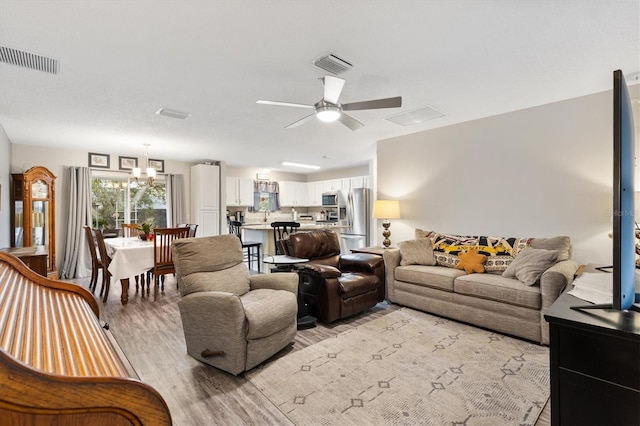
(428,276)
(561,243)
(529,265)
(498,288)
(417,252)
(471,261)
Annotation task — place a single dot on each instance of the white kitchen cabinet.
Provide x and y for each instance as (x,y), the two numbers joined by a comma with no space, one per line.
(293,194)
(205,199)
(314,192)
(360,182)
(239,191)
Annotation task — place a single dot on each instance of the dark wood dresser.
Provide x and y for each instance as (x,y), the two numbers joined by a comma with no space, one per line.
(595,365)
(58,366)
(35,257)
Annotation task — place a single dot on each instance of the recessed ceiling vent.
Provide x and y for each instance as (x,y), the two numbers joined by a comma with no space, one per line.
(415,116)
(28,60)
(333,64)
(173,114)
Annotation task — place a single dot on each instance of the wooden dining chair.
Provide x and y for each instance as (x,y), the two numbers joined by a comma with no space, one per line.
(130,230)
(193,227)
(162,255)
(281,231)
(106,260)
(96,261)
(250,249)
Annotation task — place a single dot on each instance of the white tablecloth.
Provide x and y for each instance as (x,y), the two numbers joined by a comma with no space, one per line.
(130,257)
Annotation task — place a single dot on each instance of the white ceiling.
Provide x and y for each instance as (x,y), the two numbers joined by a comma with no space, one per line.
(120,61)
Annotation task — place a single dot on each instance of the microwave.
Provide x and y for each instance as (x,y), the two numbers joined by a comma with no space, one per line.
(331,199)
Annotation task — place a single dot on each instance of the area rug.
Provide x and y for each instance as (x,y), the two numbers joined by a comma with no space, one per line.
(410,368)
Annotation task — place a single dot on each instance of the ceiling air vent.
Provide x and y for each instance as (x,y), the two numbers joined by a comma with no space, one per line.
(415,116)
(173,114)
(28,60)
(333,64)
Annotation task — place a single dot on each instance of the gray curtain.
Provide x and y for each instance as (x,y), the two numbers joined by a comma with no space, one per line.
(174,185)
(271,188)
(77,260)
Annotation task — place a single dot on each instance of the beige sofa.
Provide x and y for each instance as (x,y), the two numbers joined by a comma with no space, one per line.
(423,274)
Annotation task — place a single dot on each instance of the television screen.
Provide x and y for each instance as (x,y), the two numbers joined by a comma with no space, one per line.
(624,228)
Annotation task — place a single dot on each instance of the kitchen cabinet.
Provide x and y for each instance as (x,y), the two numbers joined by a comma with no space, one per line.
(205,199)
(293,194)
(360,182)
(32,216)
(314,191)
(239,191)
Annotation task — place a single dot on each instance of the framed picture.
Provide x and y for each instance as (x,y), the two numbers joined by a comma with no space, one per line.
(127,163)
(157,164)
(99,160)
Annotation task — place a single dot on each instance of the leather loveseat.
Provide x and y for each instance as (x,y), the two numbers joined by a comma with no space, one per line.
(335,286)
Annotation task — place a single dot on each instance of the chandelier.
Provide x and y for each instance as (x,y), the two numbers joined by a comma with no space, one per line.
(151,172)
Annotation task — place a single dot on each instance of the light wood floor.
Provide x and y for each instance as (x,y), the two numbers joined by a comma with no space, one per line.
(150,334)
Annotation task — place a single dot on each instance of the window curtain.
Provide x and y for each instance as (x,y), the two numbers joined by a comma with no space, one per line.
(265,196)
(77,259)
(174,185)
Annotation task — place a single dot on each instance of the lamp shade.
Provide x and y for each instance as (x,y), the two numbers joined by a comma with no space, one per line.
(386,209)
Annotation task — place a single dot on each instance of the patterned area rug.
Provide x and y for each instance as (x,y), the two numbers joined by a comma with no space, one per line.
(410,368)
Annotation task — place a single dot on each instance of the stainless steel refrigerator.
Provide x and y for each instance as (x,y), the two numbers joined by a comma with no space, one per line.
(357,219)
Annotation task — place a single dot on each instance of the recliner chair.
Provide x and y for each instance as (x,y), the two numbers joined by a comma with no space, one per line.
(231,320)
(335,286)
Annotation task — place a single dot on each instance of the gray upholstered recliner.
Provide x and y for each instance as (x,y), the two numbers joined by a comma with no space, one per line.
(231,320)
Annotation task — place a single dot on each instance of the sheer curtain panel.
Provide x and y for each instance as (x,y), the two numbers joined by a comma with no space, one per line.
(77,262)
(175,199)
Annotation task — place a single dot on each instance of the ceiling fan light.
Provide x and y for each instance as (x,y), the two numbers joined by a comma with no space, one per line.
(328,113)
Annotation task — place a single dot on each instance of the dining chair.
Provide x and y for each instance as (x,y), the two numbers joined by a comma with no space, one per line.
(250,249)
(162,255)
(96,261)
(106,260)
(193,227)
(130,230)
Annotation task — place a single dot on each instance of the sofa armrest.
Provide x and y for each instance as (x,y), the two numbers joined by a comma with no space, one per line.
(360,262)
(553,282)
(320,270)
(278,281)
(391,262)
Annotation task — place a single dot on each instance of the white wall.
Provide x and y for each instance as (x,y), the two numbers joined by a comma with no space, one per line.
(57,160)
(538,172)
(5,187)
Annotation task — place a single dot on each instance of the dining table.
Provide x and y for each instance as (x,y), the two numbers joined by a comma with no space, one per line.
(130,257)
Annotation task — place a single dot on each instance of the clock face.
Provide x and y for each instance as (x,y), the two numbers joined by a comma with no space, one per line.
(39,189)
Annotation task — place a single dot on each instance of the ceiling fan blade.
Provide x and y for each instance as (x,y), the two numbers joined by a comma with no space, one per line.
(332,88)
(374,104)
(350,122)
(301,121)
(278,103)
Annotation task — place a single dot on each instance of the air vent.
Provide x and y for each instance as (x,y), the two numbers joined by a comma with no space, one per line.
(333,64)
(28,60)
(173,114)
(415,116)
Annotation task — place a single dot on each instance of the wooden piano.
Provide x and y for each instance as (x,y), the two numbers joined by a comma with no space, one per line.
(58,366)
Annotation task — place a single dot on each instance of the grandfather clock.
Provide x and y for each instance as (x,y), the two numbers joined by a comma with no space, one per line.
(33,206)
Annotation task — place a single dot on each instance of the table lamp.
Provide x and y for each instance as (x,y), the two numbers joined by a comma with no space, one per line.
(386,209)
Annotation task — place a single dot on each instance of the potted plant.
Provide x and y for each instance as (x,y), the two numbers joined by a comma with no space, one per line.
(146,230)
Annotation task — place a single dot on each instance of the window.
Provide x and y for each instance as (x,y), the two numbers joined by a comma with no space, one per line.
(118,199)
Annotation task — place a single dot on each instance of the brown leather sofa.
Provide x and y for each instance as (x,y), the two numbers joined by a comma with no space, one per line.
(335,286)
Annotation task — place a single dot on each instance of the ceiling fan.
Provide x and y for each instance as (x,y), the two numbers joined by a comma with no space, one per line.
(328,109)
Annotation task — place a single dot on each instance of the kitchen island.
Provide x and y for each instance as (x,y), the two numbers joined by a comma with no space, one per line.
(263,233)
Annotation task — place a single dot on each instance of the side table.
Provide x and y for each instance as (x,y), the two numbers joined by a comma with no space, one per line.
(304,319)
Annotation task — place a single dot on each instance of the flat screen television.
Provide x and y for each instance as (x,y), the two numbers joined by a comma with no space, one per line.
(624,225)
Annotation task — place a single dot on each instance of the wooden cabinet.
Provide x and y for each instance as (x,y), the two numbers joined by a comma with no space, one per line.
(293,194)
(33,212)
(205,199)
(595,364)
(239,191)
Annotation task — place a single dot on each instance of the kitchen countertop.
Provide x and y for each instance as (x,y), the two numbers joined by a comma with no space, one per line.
(303,226)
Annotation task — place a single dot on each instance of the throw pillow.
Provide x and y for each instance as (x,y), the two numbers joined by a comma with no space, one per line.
(447,247)
(471,261)
(530,263)
(421,233)
(417,252)
(562,244)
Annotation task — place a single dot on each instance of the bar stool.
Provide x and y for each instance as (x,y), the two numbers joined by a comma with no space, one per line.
(252,247)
